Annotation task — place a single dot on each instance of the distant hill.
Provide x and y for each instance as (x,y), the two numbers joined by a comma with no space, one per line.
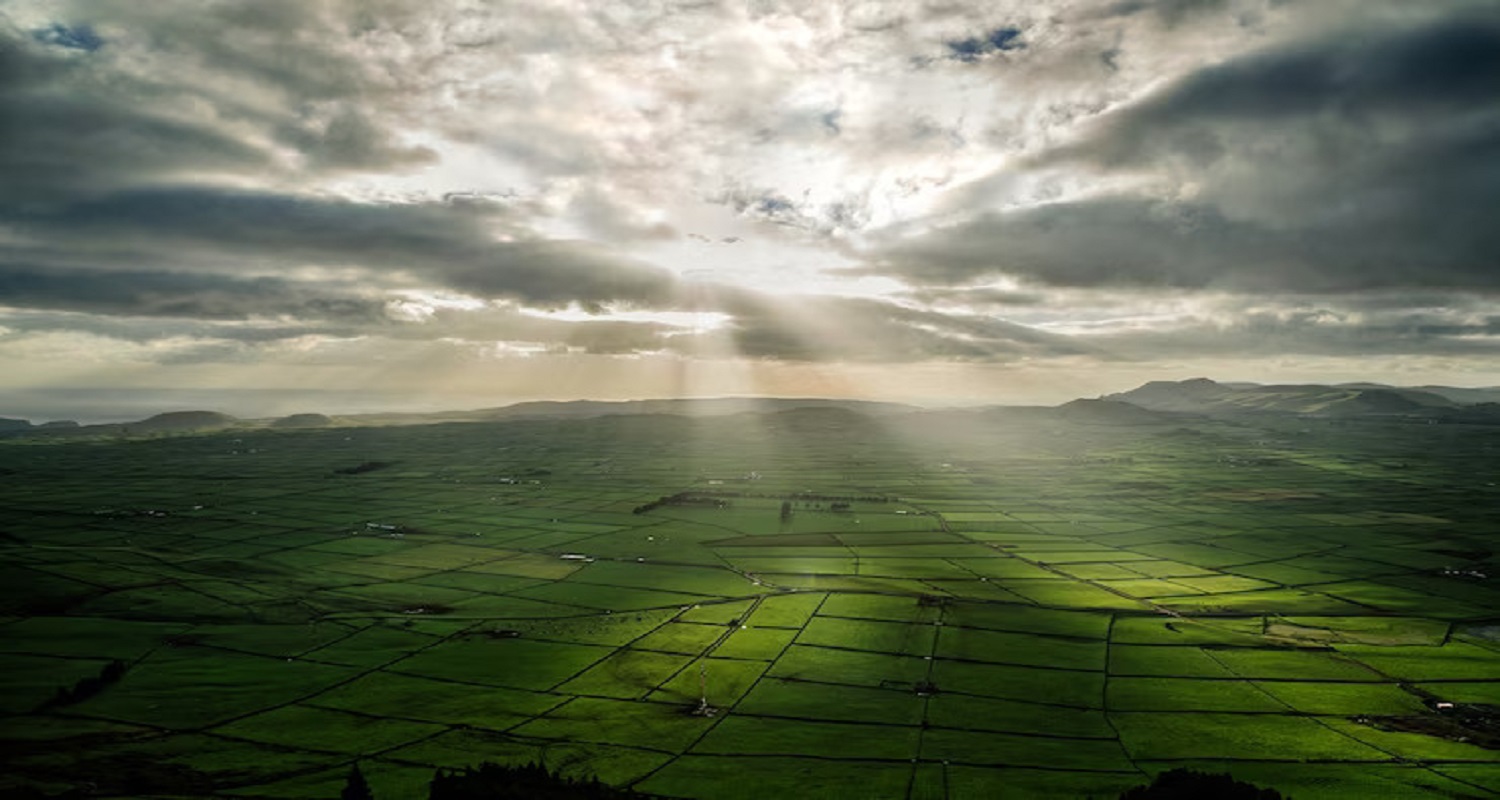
(1479,413)
(576,409)
(182,421)
(303,421)
(1424,396)
(706,407)
(1108,412)
(204,421)
(1196,395)
(168,423)
(1153,403)
(1458,395)
(1203,396)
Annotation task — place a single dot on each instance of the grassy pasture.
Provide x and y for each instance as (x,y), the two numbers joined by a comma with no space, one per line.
(1040,623)
(224,685)
(1012,750)
(761,736)
(966,712)
(821,701)
(514,663)
(1031,684)
(1154,735)
(1191,694)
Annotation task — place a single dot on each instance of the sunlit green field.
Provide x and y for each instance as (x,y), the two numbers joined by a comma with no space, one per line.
(969,608)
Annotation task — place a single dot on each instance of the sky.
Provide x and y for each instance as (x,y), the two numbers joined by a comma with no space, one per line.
(288,206)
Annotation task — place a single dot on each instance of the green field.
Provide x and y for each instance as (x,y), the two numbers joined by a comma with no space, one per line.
(1002,611)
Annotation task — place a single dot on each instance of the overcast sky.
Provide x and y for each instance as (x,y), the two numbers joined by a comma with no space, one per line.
(266,207)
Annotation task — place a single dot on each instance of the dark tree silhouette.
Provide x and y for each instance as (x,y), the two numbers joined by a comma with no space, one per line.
(356,788)
(1186,784)
(87,687)
(526,782)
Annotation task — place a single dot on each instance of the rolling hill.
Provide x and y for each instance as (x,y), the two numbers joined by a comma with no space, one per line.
(1203,396)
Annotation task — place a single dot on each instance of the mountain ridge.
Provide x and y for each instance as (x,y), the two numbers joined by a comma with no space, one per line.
(1151,402)
(1203,396)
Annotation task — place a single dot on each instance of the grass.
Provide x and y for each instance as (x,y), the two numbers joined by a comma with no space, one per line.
(1004,749)
(1153,735)
(1188,694)
(1009,716)
(383,694)
(515,663)
(312,728)
(820,701)
(1028,629)
(749,735)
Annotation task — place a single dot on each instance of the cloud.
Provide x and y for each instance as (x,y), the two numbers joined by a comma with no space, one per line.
(462,243)
(187,295)
(1445,68)
(1338,164)
(72,129)
(828,329)
(1074,181)
(1170,12)
(1308,329)
(1129,241)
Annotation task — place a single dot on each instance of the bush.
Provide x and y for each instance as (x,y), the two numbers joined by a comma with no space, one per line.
(527,782)
(1186,784)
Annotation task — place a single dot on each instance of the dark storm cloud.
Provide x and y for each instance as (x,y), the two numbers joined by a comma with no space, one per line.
(226,90)
(166,294)
(143,330)
(116,168)
(1451,67)
(1128,241)
(1311,331)
(448,244)
(69,128)
(551,273)
(1350,163)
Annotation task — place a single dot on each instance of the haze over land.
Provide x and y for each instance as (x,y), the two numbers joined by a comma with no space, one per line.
(340,207)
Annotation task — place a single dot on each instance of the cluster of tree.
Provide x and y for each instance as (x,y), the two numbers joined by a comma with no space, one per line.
(682,499)
(526,782)
(88,687)
(535,782)
(800,497)
(839,498)
(368,466)
(356,787)
(713,498)
(497,782)
(1187,784)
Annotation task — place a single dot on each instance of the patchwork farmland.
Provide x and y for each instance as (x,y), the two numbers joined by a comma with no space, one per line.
(812,603)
